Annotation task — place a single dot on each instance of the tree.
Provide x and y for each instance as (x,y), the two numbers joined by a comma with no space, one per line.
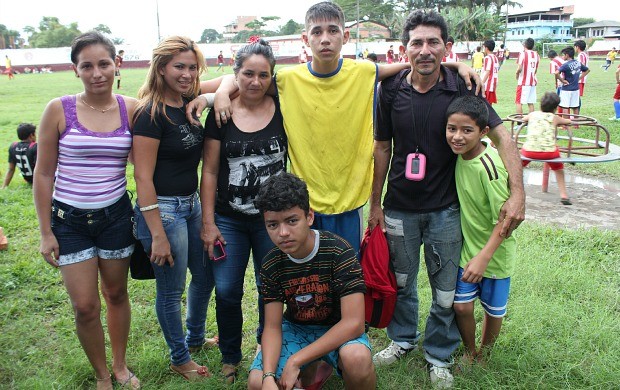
(102,28)
(210,35)
(580,22)
(474,24)
(52,34)
(290,28)
(9,38)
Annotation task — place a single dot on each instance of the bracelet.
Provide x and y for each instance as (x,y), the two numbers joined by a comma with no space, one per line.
(210,98)
(269,374)
(151,207)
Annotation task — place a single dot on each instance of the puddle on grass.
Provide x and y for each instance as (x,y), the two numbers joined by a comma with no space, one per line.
(534,177)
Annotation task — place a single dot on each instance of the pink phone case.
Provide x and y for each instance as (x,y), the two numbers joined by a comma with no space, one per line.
(411,171)
(218,251)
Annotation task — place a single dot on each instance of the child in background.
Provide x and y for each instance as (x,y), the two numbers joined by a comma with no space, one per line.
(540,143)
(477,59)
(316,274)
(487,259)
(571,74)
(22,154)
(617,97)
(555,61)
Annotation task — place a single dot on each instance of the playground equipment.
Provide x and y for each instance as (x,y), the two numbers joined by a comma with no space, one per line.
(573,150)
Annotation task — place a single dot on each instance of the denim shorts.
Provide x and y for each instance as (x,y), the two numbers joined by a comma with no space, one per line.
(83,234)
(295,337)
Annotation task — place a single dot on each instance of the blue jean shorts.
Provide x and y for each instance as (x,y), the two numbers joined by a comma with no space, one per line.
(83,234)
(295,337)
(493,294)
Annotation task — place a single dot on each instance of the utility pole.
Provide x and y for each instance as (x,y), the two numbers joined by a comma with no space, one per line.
(357,42)
(158,31)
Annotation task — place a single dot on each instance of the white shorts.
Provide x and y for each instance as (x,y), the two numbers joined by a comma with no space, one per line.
(528,94)
(569,99)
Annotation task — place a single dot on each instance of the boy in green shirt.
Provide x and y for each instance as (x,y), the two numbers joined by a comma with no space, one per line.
(487,259)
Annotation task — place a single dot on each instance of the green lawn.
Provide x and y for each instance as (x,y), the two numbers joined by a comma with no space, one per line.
(561,332)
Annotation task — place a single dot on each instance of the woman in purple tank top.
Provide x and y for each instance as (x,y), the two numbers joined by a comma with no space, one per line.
(85,215)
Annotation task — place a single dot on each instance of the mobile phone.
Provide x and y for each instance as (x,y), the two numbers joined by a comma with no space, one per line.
(416,166)
(218,251)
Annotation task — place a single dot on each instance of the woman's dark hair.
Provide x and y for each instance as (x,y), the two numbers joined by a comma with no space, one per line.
(260,48)
(90,38)
(283,192)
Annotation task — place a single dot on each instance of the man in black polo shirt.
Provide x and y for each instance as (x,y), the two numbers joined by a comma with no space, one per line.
(421,204)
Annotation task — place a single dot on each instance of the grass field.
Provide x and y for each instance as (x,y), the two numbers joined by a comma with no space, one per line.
(562,330)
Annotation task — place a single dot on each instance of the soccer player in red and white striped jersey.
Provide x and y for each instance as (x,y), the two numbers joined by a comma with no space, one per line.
(450,56)
(527,66)
(554,64)
(490,69)
(582,56)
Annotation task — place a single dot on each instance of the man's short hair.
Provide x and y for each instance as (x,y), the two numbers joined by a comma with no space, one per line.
(581,44)
(552,54)
(489,44)
(549,102)
(424,18)
(472,106)
(570,51)
(282,192)
(325,10)
(24,130)
(529,44)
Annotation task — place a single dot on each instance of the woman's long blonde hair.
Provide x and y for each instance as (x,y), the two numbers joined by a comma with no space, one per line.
(152,91)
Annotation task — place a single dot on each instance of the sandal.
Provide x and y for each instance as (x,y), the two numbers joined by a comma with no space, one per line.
(196,375)
(100,381)
(566,201)
(230,373)
(208,344)
(132,382)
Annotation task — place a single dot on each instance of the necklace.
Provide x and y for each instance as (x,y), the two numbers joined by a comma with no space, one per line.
(97,109)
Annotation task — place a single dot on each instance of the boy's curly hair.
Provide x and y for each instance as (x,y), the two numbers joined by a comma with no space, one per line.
(283,192)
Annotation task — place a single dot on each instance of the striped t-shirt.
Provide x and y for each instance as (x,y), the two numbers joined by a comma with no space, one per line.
(312,289)
(529,61)
(91,165)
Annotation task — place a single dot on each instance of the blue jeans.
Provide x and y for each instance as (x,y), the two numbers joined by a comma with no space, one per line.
(440,232)
(182,220)
(229,274)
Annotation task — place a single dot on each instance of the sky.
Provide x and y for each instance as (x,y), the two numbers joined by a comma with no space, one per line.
(136,20)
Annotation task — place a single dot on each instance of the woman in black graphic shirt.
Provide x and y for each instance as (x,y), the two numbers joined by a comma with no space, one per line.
(237,158)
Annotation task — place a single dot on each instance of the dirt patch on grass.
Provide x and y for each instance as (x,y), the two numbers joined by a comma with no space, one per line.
(596,202)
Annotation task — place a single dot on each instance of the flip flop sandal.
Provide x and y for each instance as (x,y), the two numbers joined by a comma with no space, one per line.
(208,344)
(199,374)
(566,202)
(132,382)
(230,373)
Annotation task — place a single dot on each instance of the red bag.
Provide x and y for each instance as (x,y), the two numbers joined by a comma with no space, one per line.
(380,297)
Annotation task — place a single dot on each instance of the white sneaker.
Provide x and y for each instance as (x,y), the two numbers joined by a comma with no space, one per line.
(441,378)
(390,354)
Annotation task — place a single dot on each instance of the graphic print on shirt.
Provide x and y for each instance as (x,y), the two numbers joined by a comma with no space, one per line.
(250,164)
(309,296)
(192,135)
